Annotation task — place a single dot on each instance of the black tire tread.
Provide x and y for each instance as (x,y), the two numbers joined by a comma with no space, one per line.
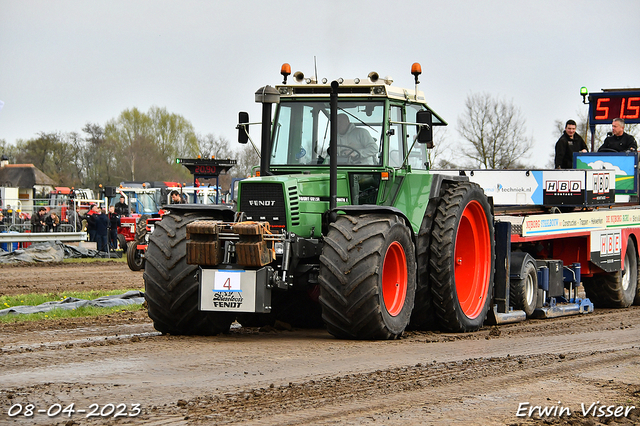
(517,292)
(422,317)
(442,249)
(605,290)
(134,261)
(349,274)
(122,242)
(171,285)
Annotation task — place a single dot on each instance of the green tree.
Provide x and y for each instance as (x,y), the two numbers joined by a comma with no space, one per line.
(127,132)
(8,150)
(173,134)
(100,158)
(495,133)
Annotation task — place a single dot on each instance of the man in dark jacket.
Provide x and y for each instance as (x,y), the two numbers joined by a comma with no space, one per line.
(122,209)
(38,220)
(102,229)
(618,140)
(176,197)
(91,222)
(568,143)
(114,223)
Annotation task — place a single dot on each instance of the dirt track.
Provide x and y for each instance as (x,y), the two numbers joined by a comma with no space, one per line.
(306,376)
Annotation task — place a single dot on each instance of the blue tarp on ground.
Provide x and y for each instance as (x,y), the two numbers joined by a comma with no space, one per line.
(128,298)
(52,252)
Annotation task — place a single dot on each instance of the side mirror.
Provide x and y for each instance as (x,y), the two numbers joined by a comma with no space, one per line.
(243,128)
(425,128)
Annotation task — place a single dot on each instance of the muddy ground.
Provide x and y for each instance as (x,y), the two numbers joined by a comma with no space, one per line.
(497,376)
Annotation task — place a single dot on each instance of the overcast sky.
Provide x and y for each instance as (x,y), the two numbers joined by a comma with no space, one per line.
(66,63)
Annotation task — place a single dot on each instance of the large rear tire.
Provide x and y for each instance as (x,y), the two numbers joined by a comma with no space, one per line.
(122,243)
(135,261)
(615,289)
(141,229)
(422,316)
(462,258)
(171,284)
(367,277)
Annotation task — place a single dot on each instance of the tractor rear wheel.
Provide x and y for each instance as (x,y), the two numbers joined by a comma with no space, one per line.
(141,228)
(135,261)
(523,293)
(122,243)
(171,284)
(462,258)
(615,289)
(367,277)
(422,317)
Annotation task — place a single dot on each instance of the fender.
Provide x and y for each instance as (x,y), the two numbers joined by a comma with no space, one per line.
(226,210)
(518,261)
(372,208)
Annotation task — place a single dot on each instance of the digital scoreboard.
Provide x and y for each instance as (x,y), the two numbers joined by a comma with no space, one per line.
(607,105)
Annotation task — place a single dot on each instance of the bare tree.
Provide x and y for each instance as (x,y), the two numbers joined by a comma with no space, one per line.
(439,157)
(247,159)
(212,146)
(495,131)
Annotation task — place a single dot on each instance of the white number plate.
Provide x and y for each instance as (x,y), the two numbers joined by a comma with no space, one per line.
(227,290)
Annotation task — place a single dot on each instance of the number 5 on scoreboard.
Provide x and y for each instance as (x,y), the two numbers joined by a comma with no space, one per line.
(227,281)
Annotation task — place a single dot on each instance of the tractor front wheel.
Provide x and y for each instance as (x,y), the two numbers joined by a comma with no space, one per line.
(135,259)
(367,277)
(171,284)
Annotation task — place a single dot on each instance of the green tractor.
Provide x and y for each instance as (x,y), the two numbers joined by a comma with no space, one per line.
(344,226)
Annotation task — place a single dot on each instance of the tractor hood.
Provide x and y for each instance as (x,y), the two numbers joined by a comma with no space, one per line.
(294,203)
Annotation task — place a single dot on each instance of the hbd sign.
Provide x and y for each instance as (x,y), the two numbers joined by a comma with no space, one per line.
(563,186)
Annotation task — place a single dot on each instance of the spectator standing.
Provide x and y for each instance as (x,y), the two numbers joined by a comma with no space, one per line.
(53,222)
(114,224)
(91,222)
(75,220)
(122,209)
(101,222)
(568,143)
(38,220)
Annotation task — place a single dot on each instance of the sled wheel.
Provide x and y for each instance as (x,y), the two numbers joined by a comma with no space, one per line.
(367,277)
(523,293)
(615,289)
(462,258)
(135,261)
(171,284)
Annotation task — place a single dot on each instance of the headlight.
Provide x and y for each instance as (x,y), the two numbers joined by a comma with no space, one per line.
(278,247)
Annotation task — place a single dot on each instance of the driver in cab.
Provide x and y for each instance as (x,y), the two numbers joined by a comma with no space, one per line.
(618,140)
(355,143)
